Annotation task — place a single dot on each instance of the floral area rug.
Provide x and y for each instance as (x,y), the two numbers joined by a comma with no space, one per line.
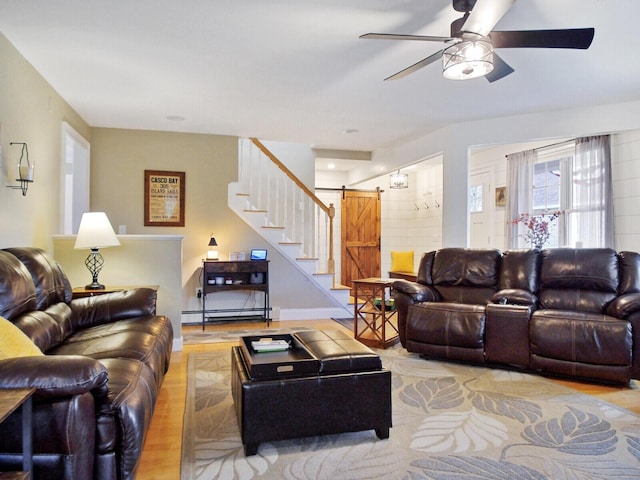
(450,421)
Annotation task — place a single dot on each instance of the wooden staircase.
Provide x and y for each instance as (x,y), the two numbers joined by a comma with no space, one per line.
(264,196)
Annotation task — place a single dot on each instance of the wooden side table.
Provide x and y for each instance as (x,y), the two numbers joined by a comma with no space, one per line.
(410,276)
(10,401)
(80,292)
(375,323)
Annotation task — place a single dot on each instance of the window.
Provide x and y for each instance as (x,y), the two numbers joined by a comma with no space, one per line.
(573,178)
(475,198)
(546,194)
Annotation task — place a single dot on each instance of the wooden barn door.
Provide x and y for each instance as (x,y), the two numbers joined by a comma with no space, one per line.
(360,235)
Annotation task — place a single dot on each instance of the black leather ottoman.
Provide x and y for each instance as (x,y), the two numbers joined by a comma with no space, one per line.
(349,392)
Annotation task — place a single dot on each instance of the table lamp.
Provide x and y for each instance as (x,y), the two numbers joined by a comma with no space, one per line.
(212,253)
(95,232)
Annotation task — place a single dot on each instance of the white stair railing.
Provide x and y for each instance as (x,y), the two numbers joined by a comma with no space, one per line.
(287,203)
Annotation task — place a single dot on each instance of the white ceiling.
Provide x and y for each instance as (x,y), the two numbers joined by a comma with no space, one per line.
(295,70)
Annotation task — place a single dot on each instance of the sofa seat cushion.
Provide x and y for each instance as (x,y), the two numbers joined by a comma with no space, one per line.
(123,418)
(133,344)
(581,337)
(159,327)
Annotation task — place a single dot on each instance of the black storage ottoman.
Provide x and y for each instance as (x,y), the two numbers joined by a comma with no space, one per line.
(348,392)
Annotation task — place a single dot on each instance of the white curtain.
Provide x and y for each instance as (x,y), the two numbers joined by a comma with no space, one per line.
(519,191)
(591,211)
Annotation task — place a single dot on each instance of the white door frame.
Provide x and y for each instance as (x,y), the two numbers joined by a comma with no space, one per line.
(74,196)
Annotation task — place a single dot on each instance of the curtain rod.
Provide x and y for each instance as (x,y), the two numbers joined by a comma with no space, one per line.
(546,146)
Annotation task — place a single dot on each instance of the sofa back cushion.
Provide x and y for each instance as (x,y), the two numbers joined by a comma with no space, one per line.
(424,270)
(580,279)
(51,283)
(464,275)
(17,292)
(520,270)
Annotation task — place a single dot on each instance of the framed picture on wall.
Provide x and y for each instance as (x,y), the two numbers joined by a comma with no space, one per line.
(164,194)
(501,196)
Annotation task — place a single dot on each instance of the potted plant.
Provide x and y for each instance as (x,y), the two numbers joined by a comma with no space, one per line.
(538,227)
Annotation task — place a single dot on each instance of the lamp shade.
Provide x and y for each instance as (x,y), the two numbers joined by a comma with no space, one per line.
(95,232)
(212,242)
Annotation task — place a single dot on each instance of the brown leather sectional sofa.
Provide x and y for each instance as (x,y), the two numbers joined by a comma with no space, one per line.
(564,311)
(97,384)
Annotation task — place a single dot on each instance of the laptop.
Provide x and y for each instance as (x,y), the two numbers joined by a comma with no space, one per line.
(258,254)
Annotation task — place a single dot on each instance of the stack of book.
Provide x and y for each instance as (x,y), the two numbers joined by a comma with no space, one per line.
(269,345)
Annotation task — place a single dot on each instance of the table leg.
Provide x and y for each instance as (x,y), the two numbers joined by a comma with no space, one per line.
(27,432)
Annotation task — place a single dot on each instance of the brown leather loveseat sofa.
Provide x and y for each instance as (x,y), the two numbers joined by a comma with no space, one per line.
(565,311)
(104,360)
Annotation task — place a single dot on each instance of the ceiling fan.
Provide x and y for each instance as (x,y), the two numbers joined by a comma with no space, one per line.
(470,47)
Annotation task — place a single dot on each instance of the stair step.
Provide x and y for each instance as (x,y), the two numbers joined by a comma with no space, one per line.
(272,227)
(305,259)
(290,243)
(254,210)
(242,194)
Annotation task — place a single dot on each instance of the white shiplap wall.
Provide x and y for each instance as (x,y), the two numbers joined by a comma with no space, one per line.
(408,225)
(625,166)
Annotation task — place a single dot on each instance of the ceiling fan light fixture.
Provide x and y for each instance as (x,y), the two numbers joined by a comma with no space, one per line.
(467,59)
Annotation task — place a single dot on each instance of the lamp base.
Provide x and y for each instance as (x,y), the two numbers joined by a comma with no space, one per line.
(94,286)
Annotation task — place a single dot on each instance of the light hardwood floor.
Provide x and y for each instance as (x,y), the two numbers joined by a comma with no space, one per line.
(161,455)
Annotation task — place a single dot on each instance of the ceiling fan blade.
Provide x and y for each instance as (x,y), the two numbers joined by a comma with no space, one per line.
(568,38)
(500,69)
(485,15)
(392,36)
(416,66)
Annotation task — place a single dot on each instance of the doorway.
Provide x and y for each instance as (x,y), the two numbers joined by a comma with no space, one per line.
(360,234)
(75,178)
(480,211)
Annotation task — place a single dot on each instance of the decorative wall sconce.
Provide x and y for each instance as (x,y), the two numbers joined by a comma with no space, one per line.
(398,180)
(25,170)
(212,254)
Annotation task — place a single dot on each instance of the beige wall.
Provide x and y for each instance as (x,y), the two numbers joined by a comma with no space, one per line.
(118,160)
(134,262)
(31,111)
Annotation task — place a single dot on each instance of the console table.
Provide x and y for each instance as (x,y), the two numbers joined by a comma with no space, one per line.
(220,276)
(374,322)
(80,292)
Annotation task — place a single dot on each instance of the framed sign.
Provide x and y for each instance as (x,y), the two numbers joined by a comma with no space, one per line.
(501,196)
(163,198)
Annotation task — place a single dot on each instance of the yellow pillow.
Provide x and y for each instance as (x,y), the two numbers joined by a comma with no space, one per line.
(14,343)
(402,261)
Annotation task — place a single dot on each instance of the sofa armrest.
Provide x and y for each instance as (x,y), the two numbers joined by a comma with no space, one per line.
(624,305)
(110,307)
(55,376)
(405,294)
(417,291)
(514,296)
